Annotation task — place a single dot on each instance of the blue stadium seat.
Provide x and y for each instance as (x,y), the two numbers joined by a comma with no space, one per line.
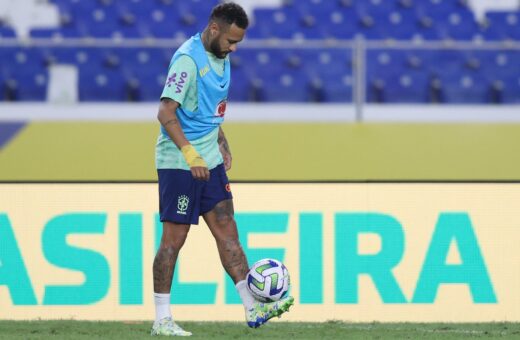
(3,86)
(99,22)
(460,88)
(7,32)
(101,85)
(154,59)
(301,74)
(147,86)
(395,25)
(341,24)
(334,88)
(510,89)
(330,73)
(443,62)
(240,89)
(385,62)
(285,86)
(502,26)
(266,60)
(145,70)
(62,32)
(408,87)
(499,63)
(313,6)
(460,25)
(438,8)
(18,59)
(266,24)
(30,84)
(200,8)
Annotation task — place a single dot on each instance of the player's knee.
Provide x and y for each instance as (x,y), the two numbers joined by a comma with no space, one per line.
(225,221)
(174,241)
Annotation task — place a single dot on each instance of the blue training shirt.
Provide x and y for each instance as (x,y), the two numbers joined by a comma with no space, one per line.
(212,92)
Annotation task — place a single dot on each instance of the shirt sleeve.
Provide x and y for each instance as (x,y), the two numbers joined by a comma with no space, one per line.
(182,76)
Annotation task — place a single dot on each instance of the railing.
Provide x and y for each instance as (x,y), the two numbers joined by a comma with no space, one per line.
(359,48)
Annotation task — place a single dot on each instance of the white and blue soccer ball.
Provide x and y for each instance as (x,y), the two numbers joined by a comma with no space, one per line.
(268,280)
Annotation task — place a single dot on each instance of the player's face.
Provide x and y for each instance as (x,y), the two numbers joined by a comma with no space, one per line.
(226,40)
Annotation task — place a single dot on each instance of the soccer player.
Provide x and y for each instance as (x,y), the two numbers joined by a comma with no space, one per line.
(192,157)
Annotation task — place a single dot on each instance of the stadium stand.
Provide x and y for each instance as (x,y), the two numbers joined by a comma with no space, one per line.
(459,68)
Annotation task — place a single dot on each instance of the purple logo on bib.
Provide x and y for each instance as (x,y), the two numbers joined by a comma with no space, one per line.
(178,84)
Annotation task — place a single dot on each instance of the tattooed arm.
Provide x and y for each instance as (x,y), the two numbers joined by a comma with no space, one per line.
(170,122)
(224,149)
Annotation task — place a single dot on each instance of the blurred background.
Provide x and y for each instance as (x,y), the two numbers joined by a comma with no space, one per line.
(320,71)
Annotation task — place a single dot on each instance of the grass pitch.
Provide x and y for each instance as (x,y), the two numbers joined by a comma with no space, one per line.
(71,329)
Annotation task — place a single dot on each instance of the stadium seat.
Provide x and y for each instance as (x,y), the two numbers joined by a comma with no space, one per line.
(460,88)
(449,61)
(16,59)
(502,26)
(147,86)
(276,74)
(101,85)
(385,62)
(438,8)
(3,87)
(285,86)
(330,73)
(28,84)
(500,64)
(408,87)
(341,24)
(240,89)
(274,23)
(333,88)
(145,71)
(460,25)
(509,92)
(395,25)
(7,32)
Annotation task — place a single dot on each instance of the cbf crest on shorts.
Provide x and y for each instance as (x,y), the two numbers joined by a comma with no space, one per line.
(182,204)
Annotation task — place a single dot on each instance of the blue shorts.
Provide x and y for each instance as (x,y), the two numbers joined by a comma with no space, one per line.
(182,199)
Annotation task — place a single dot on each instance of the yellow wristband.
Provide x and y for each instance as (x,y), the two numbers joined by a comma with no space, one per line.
(192,157)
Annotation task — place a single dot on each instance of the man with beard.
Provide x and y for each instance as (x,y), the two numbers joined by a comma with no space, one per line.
(192,157)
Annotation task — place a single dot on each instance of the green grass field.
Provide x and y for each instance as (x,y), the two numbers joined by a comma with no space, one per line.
(70,329)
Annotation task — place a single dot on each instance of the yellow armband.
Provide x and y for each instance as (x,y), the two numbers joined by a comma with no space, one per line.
(192,157)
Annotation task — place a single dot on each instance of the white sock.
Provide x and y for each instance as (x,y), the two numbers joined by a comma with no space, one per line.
(162,306)
(245,295)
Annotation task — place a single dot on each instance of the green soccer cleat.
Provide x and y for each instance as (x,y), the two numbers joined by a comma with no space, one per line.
(262,312)
(168,327)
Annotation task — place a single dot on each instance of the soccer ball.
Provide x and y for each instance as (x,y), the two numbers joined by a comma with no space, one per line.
(268,280)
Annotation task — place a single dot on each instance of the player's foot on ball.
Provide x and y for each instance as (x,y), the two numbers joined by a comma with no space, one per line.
(262,312)
(167,326)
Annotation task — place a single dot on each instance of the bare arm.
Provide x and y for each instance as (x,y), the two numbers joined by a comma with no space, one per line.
(168,119)
(224,149)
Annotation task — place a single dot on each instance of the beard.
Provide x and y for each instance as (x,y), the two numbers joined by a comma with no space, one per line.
(216,50)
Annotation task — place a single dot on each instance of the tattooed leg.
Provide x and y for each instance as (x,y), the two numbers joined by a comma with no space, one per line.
(172,240)
(222,224)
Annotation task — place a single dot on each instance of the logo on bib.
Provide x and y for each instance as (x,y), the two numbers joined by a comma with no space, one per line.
(179,85)
(221,109)
(182,204)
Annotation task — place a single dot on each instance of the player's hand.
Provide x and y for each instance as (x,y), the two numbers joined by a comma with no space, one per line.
(200,172)
(199,168)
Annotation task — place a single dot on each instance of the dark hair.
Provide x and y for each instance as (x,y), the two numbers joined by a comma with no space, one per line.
(230,13)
